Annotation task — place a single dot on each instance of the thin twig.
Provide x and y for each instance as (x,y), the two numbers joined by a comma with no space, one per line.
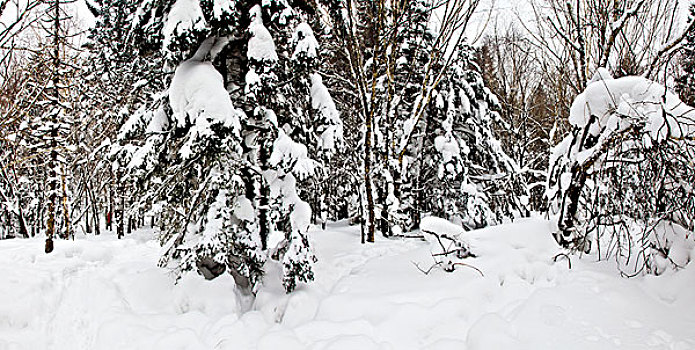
(564,255)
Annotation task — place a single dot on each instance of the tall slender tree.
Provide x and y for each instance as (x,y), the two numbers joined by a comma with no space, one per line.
(398,69)
(51,128)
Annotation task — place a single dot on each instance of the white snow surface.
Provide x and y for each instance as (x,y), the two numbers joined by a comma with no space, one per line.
(97,292)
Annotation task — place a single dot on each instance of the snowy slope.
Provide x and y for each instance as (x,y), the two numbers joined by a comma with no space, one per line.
(101,293)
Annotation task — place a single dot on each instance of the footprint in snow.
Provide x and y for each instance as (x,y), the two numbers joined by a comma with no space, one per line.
(659,337)
(633,324)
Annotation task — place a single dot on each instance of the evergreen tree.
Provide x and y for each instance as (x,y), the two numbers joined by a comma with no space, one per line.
(685,83)
(463,172)
(118,82)
(224,155)
(415,44)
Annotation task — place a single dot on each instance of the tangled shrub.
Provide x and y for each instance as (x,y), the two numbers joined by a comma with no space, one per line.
(623,180)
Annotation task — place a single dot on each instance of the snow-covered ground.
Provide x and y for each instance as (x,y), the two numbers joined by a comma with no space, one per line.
(102,293)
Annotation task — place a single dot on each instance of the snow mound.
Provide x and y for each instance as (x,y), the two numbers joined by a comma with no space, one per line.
(440,226)
(601,74)
(445,242)
(635,99)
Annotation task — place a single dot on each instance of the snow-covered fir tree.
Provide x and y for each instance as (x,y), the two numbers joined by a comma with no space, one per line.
(118,82)
(321,129)
(685,83)
(463,173)
(416,41)
(223,152)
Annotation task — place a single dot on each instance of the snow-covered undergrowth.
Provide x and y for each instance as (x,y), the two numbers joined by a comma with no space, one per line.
(622,179)
(102,293)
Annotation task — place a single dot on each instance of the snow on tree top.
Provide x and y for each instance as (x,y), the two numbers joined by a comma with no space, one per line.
(321,100)
(222,7)
(618,102)
(185,16)
(197,90)
(306,42)
(261,46)
(286,152)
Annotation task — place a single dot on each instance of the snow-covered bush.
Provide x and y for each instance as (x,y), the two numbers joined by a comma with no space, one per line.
(624,178)
(447,245)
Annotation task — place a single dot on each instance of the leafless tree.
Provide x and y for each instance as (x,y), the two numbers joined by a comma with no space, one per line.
(531,105)
(628,37)
(368,32)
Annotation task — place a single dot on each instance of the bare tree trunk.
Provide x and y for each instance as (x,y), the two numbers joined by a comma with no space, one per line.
(22,223)
(368,178)
(131,220)
(264,200)
(120,222)
(87,222)
(570,203)
(109,210)
(66,212)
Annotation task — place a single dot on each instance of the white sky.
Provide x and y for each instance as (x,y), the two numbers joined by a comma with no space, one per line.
(500,13)
(504,12)
(83,14)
